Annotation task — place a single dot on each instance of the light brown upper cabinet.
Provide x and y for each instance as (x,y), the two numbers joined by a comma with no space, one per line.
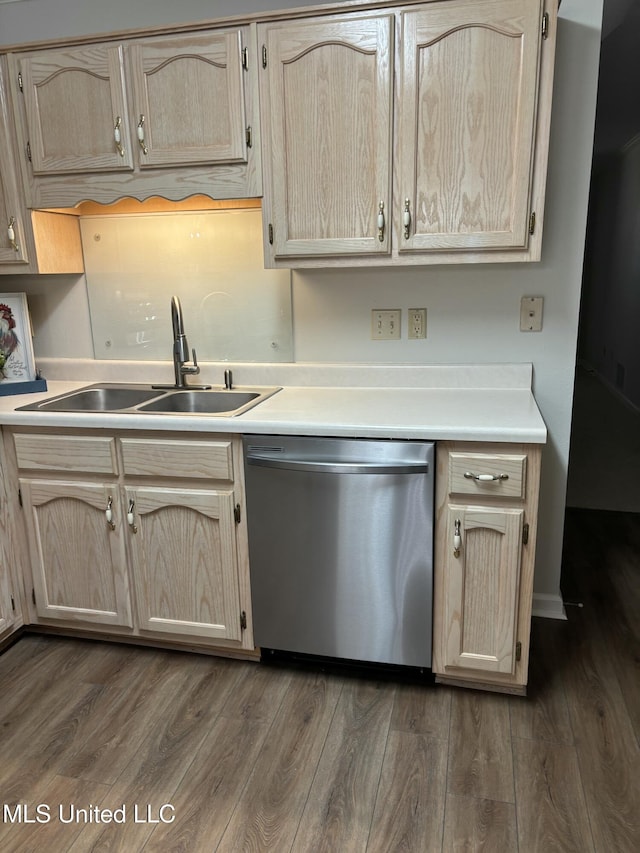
(76,110)
(189,98)
(327,119)
(468,153)
(171,116)
(30,242)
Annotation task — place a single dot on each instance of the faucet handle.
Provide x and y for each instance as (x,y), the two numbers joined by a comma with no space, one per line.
(192,369)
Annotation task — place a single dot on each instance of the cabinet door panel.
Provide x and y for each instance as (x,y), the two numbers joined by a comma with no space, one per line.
(329,113)
(185,563)
(467,123)
(482,585)
(11,210)
(190,94)
(78,560)
(74,99)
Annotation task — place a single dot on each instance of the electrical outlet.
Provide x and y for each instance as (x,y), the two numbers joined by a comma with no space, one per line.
(385,324)
(531,313)
(417,323)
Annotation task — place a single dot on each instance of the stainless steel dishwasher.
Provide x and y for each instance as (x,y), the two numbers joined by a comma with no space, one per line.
(341,547)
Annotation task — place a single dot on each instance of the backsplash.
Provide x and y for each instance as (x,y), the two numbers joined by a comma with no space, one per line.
(234,309)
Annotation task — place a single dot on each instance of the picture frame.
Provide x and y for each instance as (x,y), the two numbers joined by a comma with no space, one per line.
(17,362)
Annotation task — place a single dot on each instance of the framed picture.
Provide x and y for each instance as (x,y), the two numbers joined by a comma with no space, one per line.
(17,363)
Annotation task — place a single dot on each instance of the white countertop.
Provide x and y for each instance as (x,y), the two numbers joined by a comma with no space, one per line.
(460,411)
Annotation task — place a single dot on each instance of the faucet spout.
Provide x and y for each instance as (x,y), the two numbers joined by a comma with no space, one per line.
(181,368)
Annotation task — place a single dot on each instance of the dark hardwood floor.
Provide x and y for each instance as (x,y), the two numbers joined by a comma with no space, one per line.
(247,757)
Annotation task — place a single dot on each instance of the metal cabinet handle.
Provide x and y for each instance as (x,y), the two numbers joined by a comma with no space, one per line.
(130,517)
(381,222)
(117,135)
(141,141)
(457,538)
(11,234)
(406,219)
(485,478)
(109,513)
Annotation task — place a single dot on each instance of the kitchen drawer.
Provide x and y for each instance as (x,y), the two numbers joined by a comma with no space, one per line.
(488,475)
(162,457)
(66,453)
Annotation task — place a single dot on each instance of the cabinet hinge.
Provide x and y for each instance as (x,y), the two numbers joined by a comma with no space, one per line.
(525,534)
(29,152)
(243,620)
(20,81)
(20,497)
(13,604)
(33,595)
(245,58)
(237,513)
(264,56)
(532,222)
(271,234)
(249,137)
(518,650)
(545,25)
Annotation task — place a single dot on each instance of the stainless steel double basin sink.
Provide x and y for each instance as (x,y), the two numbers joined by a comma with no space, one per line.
(147,399)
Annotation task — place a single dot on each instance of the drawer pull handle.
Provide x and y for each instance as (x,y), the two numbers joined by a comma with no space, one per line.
(457,538)
(130,517)
(109,513)
(485,478)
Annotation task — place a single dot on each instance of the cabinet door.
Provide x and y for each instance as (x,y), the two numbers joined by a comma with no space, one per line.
(468,94)
(12,245)
(78,559)
(76,110)
(327,107)
(481,586)
(189,99)
(184,565)
(7,601)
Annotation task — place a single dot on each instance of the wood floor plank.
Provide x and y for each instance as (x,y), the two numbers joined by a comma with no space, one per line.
(543,714)
(422,709)
(409,813)
(339,810)
(607,748)
(212,788)
(57,796)
(164,757)
(480,757)
(35,662)
(551,807)
(267,816)
(479,825)
(258,694)
(125,714)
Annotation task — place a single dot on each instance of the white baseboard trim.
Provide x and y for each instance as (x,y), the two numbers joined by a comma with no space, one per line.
(548,606)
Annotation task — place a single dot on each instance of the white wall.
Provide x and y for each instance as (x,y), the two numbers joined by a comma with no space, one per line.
(473,312)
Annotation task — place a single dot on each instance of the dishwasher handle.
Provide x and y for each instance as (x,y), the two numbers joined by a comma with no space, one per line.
(334,467)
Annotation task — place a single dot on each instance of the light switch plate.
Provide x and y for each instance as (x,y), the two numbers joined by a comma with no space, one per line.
(385,324)
(531,308)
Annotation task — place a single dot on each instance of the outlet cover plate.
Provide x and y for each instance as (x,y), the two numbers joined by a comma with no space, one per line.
(417,323)
(531,308)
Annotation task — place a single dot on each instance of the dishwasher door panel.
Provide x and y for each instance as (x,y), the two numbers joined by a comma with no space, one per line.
(341,563)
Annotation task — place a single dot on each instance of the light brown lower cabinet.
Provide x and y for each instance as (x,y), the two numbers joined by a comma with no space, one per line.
(137,535)
(486,516)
